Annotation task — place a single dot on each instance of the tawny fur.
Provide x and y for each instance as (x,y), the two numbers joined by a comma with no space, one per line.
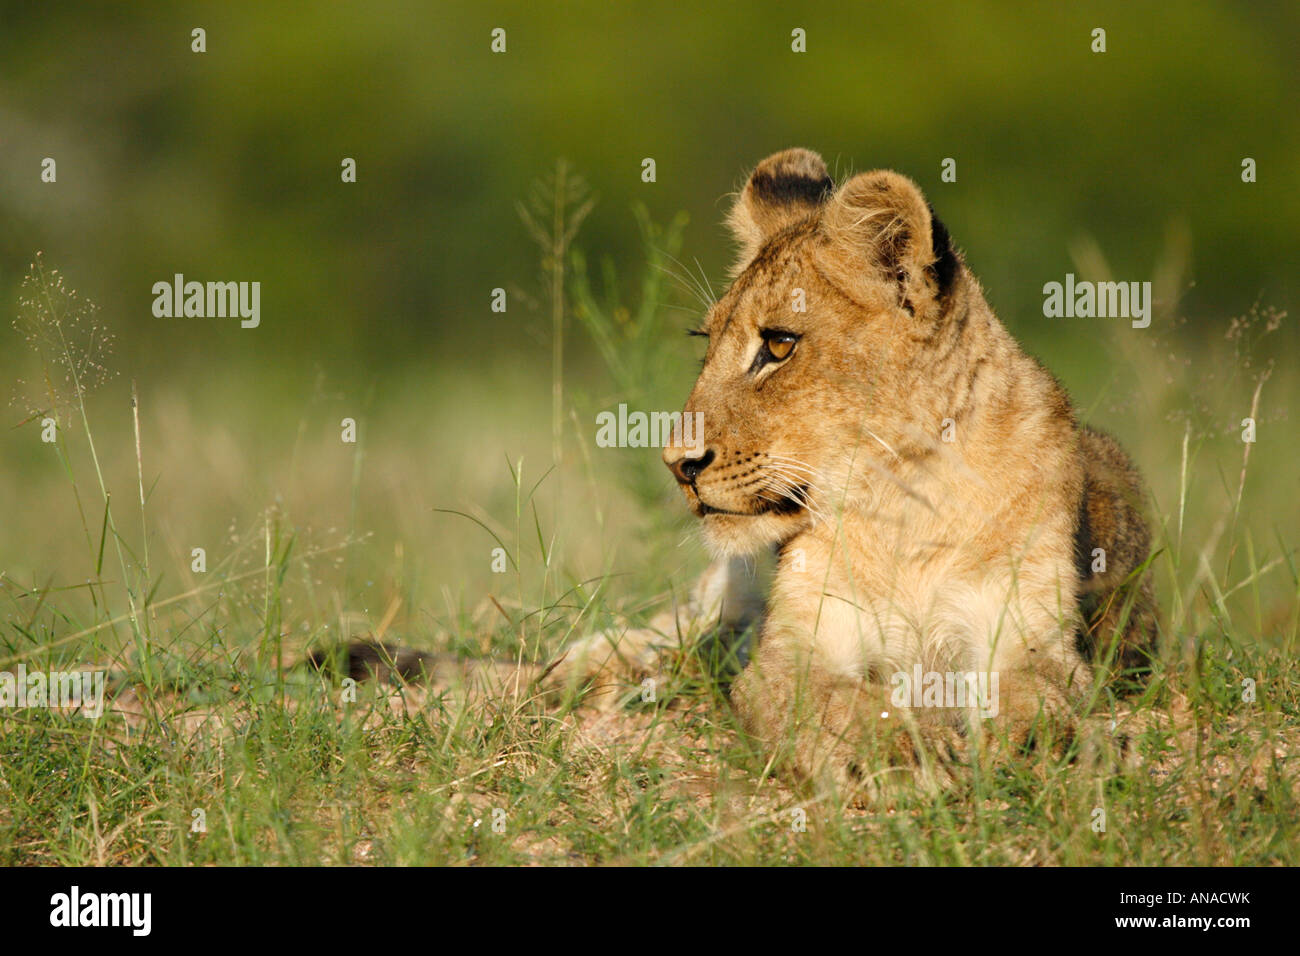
(931,495)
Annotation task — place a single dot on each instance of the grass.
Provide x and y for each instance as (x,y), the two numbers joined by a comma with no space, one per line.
(213,719)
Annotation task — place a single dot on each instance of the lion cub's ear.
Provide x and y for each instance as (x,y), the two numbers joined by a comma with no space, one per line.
(883,217)
(782,189)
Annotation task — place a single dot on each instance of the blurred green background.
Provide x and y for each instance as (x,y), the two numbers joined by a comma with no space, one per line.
(225,165)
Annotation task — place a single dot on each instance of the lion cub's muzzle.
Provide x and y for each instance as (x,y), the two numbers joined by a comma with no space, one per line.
(743,486)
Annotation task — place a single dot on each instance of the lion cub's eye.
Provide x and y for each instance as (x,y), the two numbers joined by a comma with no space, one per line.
(777,345)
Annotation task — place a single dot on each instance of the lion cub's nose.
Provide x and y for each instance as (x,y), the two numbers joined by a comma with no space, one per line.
(684,468)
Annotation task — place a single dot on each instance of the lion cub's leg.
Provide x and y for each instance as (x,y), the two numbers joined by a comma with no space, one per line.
(1037,707)
(843,734)
(1042,678)
(849,735)
(1020,685)
(726,598)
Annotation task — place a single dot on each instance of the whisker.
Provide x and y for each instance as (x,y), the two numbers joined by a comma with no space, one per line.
(705,276)
(794,468)
(884,444)
(791,460)
(789,474)
(798,492)
(797,469)
(701,291)
(686,286)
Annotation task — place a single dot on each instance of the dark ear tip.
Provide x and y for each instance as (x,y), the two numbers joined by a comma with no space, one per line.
(945,265)
(781,188)
(794,175)
(799,162)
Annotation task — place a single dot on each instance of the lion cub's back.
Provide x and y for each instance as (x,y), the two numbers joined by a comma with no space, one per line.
(1111,543)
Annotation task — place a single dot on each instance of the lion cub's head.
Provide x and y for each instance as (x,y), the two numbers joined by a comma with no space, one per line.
(814,353)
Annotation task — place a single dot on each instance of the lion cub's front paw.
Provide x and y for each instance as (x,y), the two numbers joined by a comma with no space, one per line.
(873,765)
(878,771)
(1110,743)
(845,737)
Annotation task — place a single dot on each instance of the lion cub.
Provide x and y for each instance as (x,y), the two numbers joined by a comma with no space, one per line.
(955,552)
